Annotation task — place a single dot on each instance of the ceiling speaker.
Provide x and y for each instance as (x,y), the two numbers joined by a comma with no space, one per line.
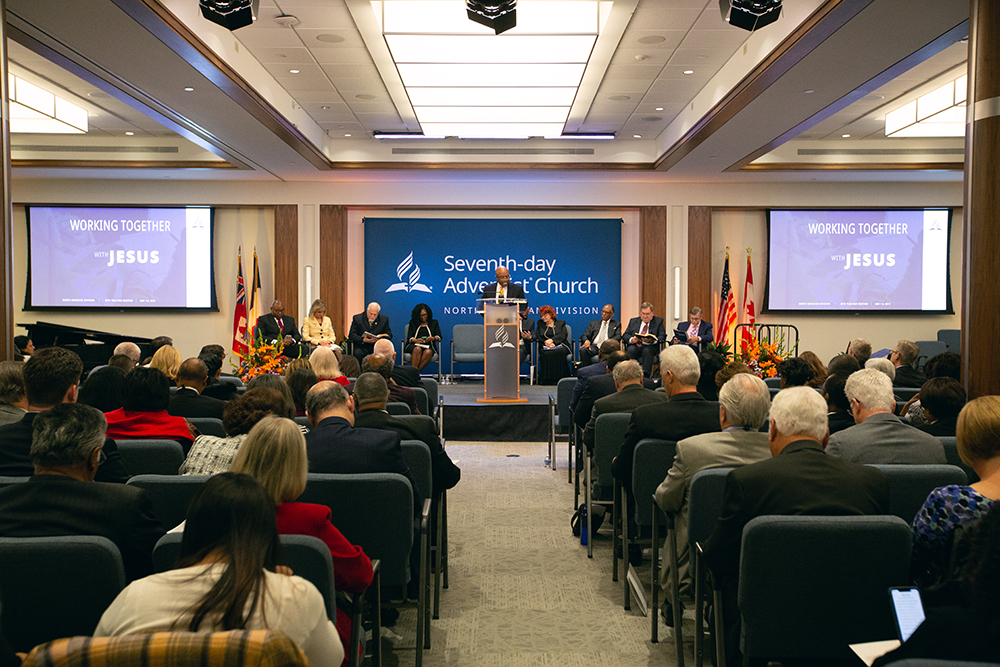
(750,14)
(230,14)
(499,15)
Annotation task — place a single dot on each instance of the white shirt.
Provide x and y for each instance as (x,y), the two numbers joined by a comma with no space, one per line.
(290,604)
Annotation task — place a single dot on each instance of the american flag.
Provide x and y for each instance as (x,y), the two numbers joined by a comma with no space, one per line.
(727,307)
(240,312)
(749,312)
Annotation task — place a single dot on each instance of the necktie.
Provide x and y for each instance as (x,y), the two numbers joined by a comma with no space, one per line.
(645,329)
(281,327)
(500,293)
(602,335)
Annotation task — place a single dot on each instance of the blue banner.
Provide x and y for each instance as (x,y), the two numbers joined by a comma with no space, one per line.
(573,265)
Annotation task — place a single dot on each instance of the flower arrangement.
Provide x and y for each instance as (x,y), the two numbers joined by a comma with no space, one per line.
(763,358)
(261,358)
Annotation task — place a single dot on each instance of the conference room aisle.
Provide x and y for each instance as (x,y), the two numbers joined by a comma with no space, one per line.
(522,591)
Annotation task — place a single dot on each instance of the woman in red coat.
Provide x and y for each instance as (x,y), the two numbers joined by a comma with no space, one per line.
(275,454)
(146,394)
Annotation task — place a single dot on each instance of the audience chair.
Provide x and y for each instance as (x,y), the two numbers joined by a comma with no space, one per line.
(952,457)
(773,383)
(232,379)
(209,426)
(248,648)
(151,457)
(430,386)
(7,481)
(905,394)
(95,369)
(422,400)
(909,485)
(563,424)
(928,349)
(303,421)
(952,339)
(609,434)
(396,408)
(170,494)
(467,346)
(794,608)
(405,356)
(54,587)
(704,508)
(418,459)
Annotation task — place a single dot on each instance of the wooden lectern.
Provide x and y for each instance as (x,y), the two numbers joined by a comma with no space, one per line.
(502,345)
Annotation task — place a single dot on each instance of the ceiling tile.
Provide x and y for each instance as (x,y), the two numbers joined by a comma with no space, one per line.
(268,55)
(715,39)
(319,17)
(700,57)
(350,36)
(631,40)
(631,87)
(661,16)
(644,72)
(259,35)
(352,54)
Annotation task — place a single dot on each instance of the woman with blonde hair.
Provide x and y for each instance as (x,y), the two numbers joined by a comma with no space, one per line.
(168,361)
(325,365)
(275,455)
(317,329)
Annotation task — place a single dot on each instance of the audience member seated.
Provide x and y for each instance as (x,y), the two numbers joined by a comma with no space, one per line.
(317,329)
(844,364)
(404,376)
(213,348)
(51,377)
(629,395)
(299,383)
(943,399)
(904,357)
(62,498)
(744,405)
(158,342)
(23,347)
(946,364)
(978,442)
(861,350)
(224,391)
(879,436)
(270,381)
(597,332)
(122,362)
(799,479)
(370,396)
(335,446)
(13,402)
(144,415)
(130,350)
(278,329)
(728,371)
(839,416)
(601,385)
(168,361)
(228,578)
(593,370)
(295,364)
(187,401)
(324,364)
(527,331)
(104,389)
(425,334)
(211,454)
(883,366)
(379,363)
(350,366)
(795,372)
(274,454)
(366,328)
(711,362)
(644,335)
(961,623)
(819,370)
(552,347)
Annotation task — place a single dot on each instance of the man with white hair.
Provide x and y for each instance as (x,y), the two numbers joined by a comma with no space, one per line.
(629,395)
(366,328)
(130,350)
(744,405)
(880,436)
(903,356)
(404,376)
(799,479)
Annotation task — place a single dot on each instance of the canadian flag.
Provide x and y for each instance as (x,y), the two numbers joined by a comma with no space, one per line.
(749,314)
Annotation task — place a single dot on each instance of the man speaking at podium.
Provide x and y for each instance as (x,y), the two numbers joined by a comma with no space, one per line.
(504,289)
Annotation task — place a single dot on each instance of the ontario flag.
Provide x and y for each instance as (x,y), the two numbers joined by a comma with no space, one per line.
(749,312)
(727,307)
(255,304)
(240,312)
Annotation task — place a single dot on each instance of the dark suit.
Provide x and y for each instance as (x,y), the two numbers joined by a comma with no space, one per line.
(598,387)
(400,394)
(432,326)
(704,333)
(444,473)
(267,330)
(188,402)
(360,325)
(527,324)
(406,376)
(335,446)
(15,461)
(224,391)
(514,291)
(583,377)
(51,505)
(645,353)
(594,328)
(941,428)
(802,479)
(552,365)
(838,421)
(627,400)
(908,376)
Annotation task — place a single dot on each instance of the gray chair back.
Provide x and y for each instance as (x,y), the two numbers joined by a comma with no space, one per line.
(564,394)
(952,457)
(232,379)
(170,494)
(431,387)
(909,485)
(421,399)
(151,457)
(209,426)
(467,345)
(396,408)
(418,460)
(609,434)
(905,393)
(705,503)
(928,349)
(774,382)
(794,608)
(374,511)
(952,339)
(418,418)
(650,464)
(55,587)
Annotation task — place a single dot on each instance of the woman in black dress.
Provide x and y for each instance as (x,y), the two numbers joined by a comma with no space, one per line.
(424,335)
(552,346)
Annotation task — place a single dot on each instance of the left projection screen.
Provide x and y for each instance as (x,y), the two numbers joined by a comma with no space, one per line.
(117,258)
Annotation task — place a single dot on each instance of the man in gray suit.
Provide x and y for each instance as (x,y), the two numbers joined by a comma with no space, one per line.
(744,404)
(629,395)
(879,436)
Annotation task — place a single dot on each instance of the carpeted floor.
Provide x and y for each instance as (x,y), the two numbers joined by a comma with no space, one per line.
(522,590)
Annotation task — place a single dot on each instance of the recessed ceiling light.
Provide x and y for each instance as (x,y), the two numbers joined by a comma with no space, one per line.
(809,91)
(293,71)
(637,136)
(658,109)
(651,119)
(619,98)
(366,96)
(347,135)
(189,89)
(845,136)
(651,39)
(324,108)
(329,39)
(129,134)
(689,71)
(702,57)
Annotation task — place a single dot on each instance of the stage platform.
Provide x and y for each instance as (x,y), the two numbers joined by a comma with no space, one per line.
(465,419)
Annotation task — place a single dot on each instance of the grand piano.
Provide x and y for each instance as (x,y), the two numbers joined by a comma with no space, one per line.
(94,347)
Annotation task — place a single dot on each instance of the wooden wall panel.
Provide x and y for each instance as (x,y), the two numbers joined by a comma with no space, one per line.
(653,232)
(333,265)
(699,292)
(286,260)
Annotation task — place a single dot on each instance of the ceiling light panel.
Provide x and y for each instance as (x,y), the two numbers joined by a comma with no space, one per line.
(462,75)
(444,17)
(492,130)
(504,48)
(35,110)
(492,97)
(492,114)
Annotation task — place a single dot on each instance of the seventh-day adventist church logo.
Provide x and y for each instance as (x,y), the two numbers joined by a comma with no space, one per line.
(502,340)
(410,284)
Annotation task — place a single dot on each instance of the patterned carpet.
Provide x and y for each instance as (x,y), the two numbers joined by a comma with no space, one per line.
(522,590)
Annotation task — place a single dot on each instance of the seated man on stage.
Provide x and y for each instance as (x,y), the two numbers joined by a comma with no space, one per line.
(644,336)
(699,332)
(279,329)
(366,328)
(503,288)
(597,332)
